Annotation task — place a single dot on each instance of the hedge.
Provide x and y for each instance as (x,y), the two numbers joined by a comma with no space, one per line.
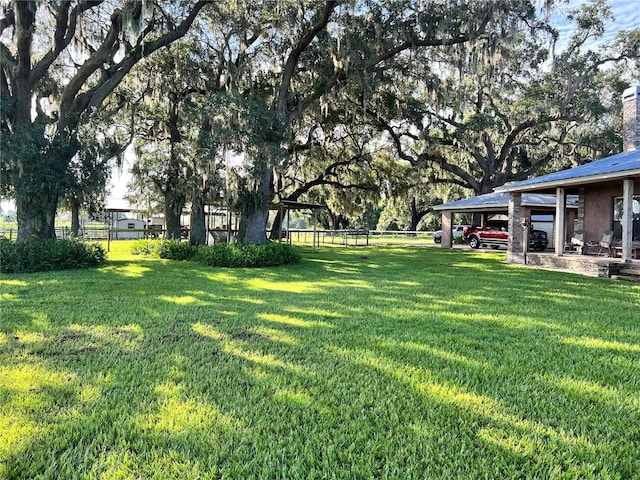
(37,255)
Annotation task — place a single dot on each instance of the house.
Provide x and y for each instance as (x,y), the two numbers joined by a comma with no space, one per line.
(608,193)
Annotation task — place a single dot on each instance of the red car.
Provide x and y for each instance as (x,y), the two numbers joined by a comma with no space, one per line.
(495,234)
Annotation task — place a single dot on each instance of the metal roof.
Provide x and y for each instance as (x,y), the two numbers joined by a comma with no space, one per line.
(622,165)
(293,205)
(500,201)
(118,205)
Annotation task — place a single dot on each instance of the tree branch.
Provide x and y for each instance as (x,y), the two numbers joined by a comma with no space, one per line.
(325,85)
(289,69)
(519,129)
(74,103)
(65,31)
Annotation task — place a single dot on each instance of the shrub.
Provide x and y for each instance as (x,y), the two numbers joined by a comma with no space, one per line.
(176,250)
(37,255)
(145,247)
(167,249)
(220,254)
(242,255)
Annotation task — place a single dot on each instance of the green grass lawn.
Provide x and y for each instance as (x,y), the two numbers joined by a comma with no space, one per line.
(381,362)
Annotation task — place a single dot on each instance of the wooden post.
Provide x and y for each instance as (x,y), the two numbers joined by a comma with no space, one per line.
(288,226)
(514,247)
(627,219)
(560,227)
(314,232)
(280,215)
(525,238)
(447,230)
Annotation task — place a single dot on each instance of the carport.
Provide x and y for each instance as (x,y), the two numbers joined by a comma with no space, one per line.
(288,205)
(535,206)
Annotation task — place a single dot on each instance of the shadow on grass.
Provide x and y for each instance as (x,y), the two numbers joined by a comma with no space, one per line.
(376,362)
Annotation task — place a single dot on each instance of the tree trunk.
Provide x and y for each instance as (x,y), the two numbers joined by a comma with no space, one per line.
(339,222)
(37,176)
(75,217)
(173,206)
(415,218)
(416,215)
(36,215)
(253,222)
(277,225)
(253,227)
(198,228)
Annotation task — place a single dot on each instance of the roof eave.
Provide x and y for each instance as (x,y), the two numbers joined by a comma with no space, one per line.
(484,208)
(475,208)
(570,182)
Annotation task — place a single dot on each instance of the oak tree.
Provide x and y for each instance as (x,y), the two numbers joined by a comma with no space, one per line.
(59,61)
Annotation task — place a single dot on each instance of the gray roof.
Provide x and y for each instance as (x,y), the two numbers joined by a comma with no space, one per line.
(622,165)
(500,201)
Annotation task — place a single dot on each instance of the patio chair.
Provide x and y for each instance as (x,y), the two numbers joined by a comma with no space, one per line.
(576,244)
(605,245)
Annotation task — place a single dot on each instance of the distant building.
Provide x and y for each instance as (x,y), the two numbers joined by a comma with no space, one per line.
(136,226)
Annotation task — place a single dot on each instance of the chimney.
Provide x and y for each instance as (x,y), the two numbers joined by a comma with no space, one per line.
(631,119)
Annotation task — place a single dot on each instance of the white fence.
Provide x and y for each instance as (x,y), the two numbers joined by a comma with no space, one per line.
(64,232)
(349,237)
(359,237)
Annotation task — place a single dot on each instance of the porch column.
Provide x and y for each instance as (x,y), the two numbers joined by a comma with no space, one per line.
(561,208)
(579,224)
(447,241)
(514,247)
(627,219)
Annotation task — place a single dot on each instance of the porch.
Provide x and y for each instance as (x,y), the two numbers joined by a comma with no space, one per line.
(589,265)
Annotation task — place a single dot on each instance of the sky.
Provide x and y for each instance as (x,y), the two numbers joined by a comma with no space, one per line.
(626,13)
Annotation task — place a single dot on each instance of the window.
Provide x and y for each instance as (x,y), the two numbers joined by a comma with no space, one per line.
(617,216)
